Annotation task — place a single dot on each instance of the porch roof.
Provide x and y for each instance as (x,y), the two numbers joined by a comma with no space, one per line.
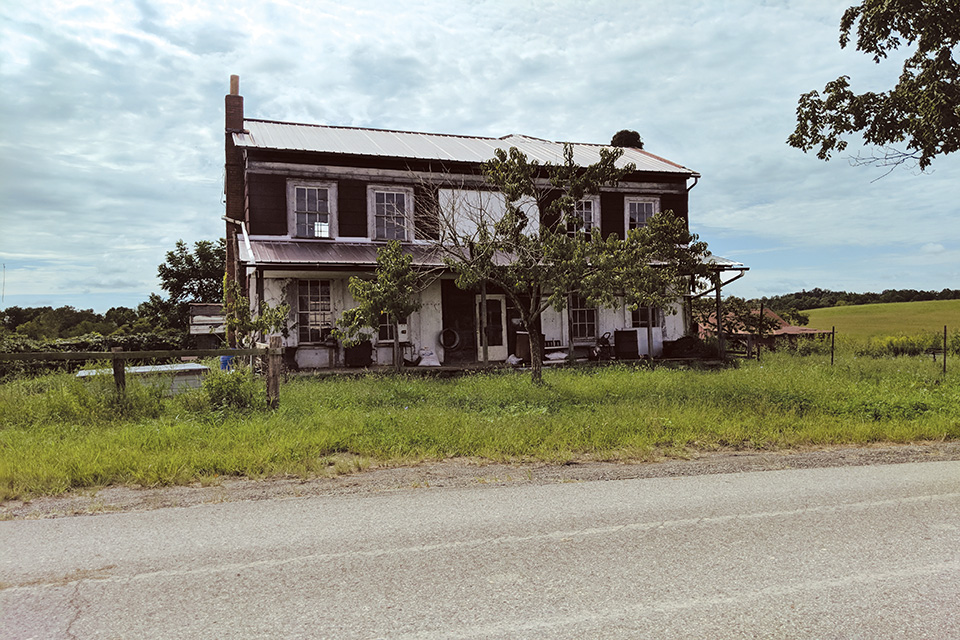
(328,254)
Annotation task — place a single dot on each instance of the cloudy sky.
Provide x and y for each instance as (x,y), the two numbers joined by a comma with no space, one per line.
(111,123)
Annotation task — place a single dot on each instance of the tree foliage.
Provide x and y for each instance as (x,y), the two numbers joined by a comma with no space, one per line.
(187,276)
(392,292)
(47,323)
(245,325)
(627,138)
(819,298)
(917,120)
(539,252)
(194,276)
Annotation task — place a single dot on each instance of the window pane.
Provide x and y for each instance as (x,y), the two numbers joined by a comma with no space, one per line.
(314,310)
(584,320)
(301,199)
(390,215)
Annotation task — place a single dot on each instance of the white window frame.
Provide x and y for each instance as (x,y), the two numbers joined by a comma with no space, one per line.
(638,200)
(385,329)
(582,314)
(323,311)
(331,187)
(637,321)
(372,191)
(593,222)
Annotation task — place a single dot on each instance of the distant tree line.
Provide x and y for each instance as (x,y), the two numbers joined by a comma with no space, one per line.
(819,298)
(41,323)
(185,275)
(743,315)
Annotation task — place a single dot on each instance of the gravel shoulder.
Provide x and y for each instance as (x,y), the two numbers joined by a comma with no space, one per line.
(463,472)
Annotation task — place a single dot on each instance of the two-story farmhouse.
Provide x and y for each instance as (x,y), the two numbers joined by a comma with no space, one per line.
(307,206)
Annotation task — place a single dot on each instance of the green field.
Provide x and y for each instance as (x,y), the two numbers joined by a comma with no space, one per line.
(891,319)
(57,434)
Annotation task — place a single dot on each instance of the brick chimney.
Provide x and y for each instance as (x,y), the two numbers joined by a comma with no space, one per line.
(233,186)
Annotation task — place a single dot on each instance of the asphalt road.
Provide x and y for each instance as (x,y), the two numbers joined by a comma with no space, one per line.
(847,552)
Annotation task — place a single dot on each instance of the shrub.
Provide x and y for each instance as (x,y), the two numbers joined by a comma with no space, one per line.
(237,388)
(879,347)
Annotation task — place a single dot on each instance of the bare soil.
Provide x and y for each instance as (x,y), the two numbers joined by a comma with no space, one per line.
(463,472)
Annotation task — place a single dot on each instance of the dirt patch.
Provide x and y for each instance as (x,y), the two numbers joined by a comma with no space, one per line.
(464,473)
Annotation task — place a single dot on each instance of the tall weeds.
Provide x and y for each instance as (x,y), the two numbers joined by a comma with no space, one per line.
(56,434)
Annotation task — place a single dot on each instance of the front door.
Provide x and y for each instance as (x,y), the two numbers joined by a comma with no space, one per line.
(496,328)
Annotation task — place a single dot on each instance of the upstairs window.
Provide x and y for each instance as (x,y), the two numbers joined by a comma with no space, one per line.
(314,310)
(312,209)
(390,213)
(585,216)
(639,211)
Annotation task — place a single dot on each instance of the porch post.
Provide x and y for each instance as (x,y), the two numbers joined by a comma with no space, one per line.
(484,342)
(650,334)
(760,333)
(722,342)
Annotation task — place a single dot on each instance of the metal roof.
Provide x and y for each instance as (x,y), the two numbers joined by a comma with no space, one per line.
(723,264)
(325,253)
(181,368)
(314,253)
(265,134)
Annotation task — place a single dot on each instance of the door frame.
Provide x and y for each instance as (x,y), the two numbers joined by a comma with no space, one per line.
(495,353)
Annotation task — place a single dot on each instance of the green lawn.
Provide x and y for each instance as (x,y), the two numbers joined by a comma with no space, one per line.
(891,319)
(57,434)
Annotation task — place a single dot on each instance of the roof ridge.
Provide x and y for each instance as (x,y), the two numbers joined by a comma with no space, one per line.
(338,126)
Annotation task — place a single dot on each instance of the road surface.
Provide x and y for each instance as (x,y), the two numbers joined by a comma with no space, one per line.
(846,552)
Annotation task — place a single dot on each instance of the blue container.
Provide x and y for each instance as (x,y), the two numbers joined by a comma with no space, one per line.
(226,363)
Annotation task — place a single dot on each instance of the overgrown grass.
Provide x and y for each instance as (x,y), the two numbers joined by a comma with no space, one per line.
(56,434)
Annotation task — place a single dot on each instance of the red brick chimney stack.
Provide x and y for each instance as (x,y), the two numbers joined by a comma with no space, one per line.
(234,103)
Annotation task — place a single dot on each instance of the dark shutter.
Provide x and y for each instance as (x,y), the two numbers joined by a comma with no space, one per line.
(267,198)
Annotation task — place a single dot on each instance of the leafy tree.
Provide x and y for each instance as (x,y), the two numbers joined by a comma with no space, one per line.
(922,111)
(158,313)
(42,326)
(795,317)
(195,276)
(627,138)
(187,276)
(120,316)
(62,322)
(245,326)
(392,292)
(13,317)
(539,253)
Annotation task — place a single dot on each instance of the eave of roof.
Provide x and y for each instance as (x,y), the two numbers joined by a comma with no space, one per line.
(287,136)
(724,264)
(314,253)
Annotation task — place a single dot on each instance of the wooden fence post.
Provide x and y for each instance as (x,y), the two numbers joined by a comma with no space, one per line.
(119,371)
(760,333)
(273,372)
(833,336)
